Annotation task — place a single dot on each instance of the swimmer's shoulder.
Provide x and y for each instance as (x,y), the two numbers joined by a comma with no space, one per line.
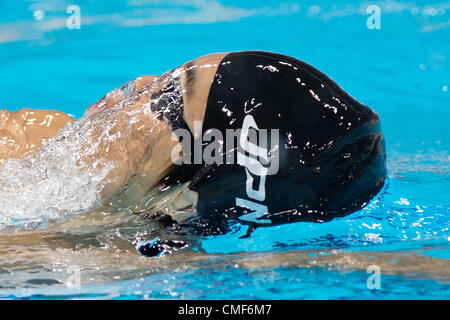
(27,127)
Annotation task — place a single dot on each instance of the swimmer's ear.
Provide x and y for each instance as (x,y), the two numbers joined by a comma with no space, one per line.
(119,94)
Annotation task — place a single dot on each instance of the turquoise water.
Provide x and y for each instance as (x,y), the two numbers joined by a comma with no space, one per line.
(401,70)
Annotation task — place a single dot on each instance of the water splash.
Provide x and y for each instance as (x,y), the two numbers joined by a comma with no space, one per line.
(68,175)
(50,184)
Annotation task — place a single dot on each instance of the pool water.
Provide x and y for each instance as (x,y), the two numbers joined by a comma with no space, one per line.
(401,70)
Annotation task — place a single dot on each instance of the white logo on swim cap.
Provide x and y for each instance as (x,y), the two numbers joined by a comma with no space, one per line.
(254,168)
(252,153)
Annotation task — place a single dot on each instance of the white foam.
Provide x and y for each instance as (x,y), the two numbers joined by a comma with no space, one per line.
(57,182)
(49,185)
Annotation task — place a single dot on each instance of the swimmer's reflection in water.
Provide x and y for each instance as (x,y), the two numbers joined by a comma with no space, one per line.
(330,149)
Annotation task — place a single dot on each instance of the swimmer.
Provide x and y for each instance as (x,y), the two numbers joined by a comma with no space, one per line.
(304,150)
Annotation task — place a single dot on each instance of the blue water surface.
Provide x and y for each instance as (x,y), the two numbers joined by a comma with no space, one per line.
(401,70)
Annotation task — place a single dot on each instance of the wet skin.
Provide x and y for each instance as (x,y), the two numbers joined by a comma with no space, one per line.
(142,160)
(22,132)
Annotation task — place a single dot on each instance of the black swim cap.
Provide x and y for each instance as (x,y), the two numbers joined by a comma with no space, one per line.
(330,152)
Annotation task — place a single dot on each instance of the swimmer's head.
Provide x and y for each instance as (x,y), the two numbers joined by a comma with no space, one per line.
(331,151)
